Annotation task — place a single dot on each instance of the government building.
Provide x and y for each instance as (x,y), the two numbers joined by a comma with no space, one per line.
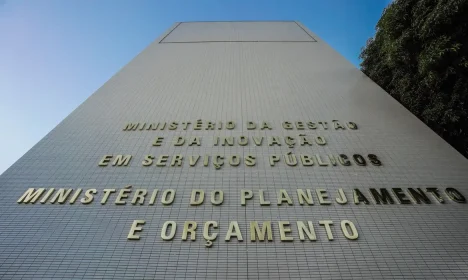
(237,150)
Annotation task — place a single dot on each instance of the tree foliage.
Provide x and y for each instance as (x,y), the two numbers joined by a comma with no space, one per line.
(419,55)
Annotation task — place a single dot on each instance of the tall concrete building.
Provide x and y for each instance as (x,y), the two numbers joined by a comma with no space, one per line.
(234,150)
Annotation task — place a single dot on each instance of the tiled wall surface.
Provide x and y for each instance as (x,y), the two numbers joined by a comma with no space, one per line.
(246,71)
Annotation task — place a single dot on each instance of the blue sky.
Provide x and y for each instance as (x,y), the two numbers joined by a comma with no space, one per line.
(56,53)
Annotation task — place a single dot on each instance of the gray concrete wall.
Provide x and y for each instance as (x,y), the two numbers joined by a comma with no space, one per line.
(240,71)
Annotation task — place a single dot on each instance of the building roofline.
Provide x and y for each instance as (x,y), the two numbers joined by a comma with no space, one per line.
(202,21)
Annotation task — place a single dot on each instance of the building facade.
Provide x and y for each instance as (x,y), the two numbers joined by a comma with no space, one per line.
(234,150)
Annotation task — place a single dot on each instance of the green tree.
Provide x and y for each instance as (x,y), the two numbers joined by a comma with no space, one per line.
(419,55)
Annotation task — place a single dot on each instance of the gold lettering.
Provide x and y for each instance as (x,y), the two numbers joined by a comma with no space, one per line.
(122,195)
(88,196)
(136,227)
(178,141)
(153,196)
(322,196)
(162,160)
(139,196)
(189,227)
(195,141)
(274,140)
(31,195)
(302,228)
(105,160)
(206,231)
(122,160)
(283,196)
(274,159)
(320,162)
(265,125)
(262,198)
(131,126)
(75,196)
(168,197)
(258,140)
(193,160)
(251,125)
(107,193)
(197,198)
(173,126)
(219,200)
(284,228)
(227,141)
(177,160)
(172,233)
(210,126)
(233,231)
(256,232)
(326,224)
(47,195)
(350,235)
(61,196)
(302,196)
(246,194)
(148,161)
(341,199)
(158,141)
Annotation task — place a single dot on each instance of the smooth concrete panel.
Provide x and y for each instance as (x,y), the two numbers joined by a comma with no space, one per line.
(273,31)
